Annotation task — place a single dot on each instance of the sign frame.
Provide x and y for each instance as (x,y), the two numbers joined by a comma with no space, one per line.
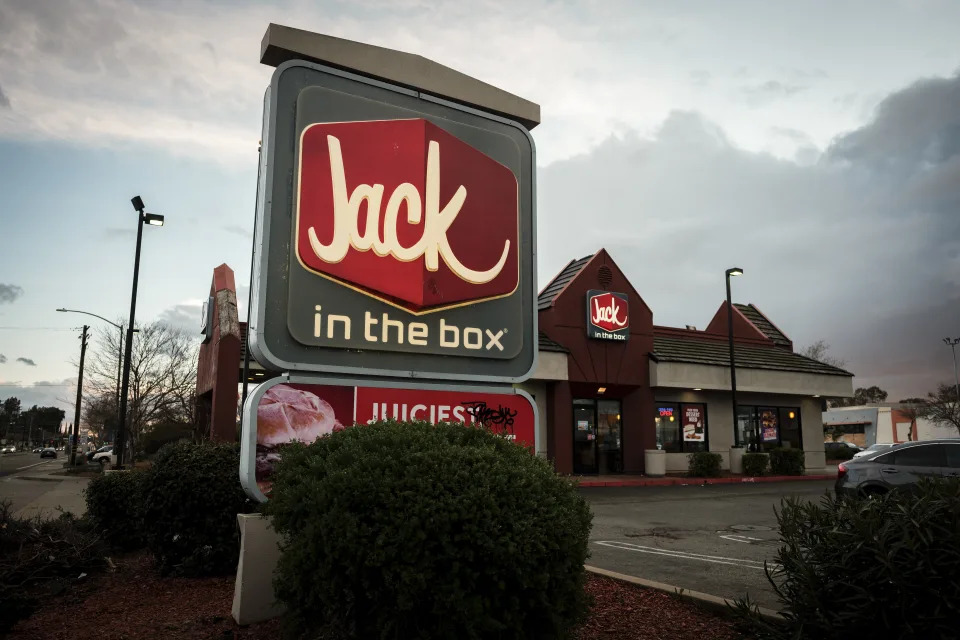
(248,436)
(595,332)
(277,190)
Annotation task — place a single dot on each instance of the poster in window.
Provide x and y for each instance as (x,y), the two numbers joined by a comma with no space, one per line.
(582,425)
(693,423)
(769,431)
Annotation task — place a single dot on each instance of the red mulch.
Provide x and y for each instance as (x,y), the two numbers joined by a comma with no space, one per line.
(135,603)
(623,611)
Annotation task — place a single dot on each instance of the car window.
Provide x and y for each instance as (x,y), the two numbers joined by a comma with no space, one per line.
(931,455)
(953,455)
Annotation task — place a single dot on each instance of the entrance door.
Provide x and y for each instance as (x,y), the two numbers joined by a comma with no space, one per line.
(609,448)
(584,436)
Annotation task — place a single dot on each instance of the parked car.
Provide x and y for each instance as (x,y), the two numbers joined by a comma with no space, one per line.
(105,448)
(871,450)
(9,449)
(48,452)
(900,468)
(102,456)
(840,449)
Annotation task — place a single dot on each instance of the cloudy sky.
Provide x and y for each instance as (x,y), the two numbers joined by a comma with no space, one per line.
(814,144)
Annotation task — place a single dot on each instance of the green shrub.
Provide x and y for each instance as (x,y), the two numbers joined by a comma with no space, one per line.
(115,504)
(787,462)
(193,496)
(40,558)
(846,453)
(704,464)
(410,530)
(885,567)
(755,464)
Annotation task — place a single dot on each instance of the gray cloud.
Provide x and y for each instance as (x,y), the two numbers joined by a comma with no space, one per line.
(238,229)
(116,233)
(4,100)
(3,358)
(27,361)
(185,315)
(759,94)
(9,292)
(860,247)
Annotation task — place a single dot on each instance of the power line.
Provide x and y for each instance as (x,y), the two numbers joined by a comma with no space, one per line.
(34,386)
(40,328)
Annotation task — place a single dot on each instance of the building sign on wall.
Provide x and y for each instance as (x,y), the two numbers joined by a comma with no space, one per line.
(693,423)
(403,245)
(279,412)
(608,315)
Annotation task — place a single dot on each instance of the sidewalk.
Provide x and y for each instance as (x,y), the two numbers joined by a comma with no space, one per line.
(625,480)
(65,493)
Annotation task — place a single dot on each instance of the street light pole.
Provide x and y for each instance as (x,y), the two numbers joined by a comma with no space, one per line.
(76,414)
(953,342)
(735,271)
(119,349)
(151,219)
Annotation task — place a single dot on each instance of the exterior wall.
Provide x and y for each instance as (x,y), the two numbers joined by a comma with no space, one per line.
(928,430)
(218,362)
(685,376)
(538,390)
(720,437)
(551,365)
(560,426)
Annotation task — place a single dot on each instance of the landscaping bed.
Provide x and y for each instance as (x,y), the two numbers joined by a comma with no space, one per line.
(134,603)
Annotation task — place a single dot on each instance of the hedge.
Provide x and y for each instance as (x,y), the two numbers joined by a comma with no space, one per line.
(787,462)
(411,530)
(881,567)
(115,504)
(755,464)
(704,464)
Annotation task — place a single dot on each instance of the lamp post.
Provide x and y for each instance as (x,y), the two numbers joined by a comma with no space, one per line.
(119,348)
(735,271)
(953,342)
(157,221)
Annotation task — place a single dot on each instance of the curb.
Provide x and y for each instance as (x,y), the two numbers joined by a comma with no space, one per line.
(714,603)
(684,482)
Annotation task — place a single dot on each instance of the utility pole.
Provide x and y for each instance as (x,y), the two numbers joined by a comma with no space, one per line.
(76,415)
(953,342)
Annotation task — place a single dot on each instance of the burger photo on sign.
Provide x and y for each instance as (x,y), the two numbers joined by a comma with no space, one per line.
(286,415)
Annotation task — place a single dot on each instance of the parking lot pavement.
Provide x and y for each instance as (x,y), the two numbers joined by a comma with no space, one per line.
(714,539)
(28,485)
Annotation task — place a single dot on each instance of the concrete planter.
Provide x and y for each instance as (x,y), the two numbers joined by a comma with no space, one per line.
(655,463)
(736,459)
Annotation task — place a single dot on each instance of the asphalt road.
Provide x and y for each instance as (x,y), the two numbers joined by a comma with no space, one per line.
(11,463)
(712,539)
(20,492)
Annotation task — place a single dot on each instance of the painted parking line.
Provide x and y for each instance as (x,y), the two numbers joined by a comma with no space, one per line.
(738,538)
(684,555)
(37,464)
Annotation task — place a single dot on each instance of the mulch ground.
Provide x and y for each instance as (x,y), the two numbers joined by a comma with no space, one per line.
(135,603)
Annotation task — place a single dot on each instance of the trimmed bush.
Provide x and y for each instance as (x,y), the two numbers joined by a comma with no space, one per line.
(755,464)
(409,530)
(787,462)
(193,496)
(704,464)
(885,567)
(115,505)
(846,453)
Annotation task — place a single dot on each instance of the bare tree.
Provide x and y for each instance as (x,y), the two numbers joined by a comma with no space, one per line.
(820,351)
(163,378)
(943,407)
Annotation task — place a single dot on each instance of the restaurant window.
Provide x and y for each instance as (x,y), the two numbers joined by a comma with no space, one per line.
(681,427)
(762,428)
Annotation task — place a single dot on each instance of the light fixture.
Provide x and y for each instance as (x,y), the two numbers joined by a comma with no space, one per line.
(735,271)
(698,389)
(816,396)
(618,416)
(153,218)
(601,389)
(671,418)
(792,415)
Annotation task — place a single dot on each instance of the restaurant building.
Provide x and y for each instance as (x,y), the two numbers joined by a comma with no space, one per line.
(611,385)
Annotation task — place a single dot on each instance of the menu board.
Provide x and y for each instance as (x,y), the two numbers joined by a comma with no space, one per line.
(769,428)
(693,423)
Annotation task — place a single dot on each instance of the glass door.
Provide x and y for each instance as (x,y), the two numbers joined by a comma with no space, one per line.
(609,433)
(584,436)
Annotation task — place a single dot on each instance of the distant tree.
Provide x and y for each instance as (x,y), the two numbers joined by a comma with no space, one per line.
(41,423)
(819,351)
(917,401)
(943,407)
(862,396)
(163,378)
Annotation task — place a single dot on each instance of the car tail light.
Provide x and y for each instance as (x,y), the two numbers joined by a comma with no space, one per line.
(841,470)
